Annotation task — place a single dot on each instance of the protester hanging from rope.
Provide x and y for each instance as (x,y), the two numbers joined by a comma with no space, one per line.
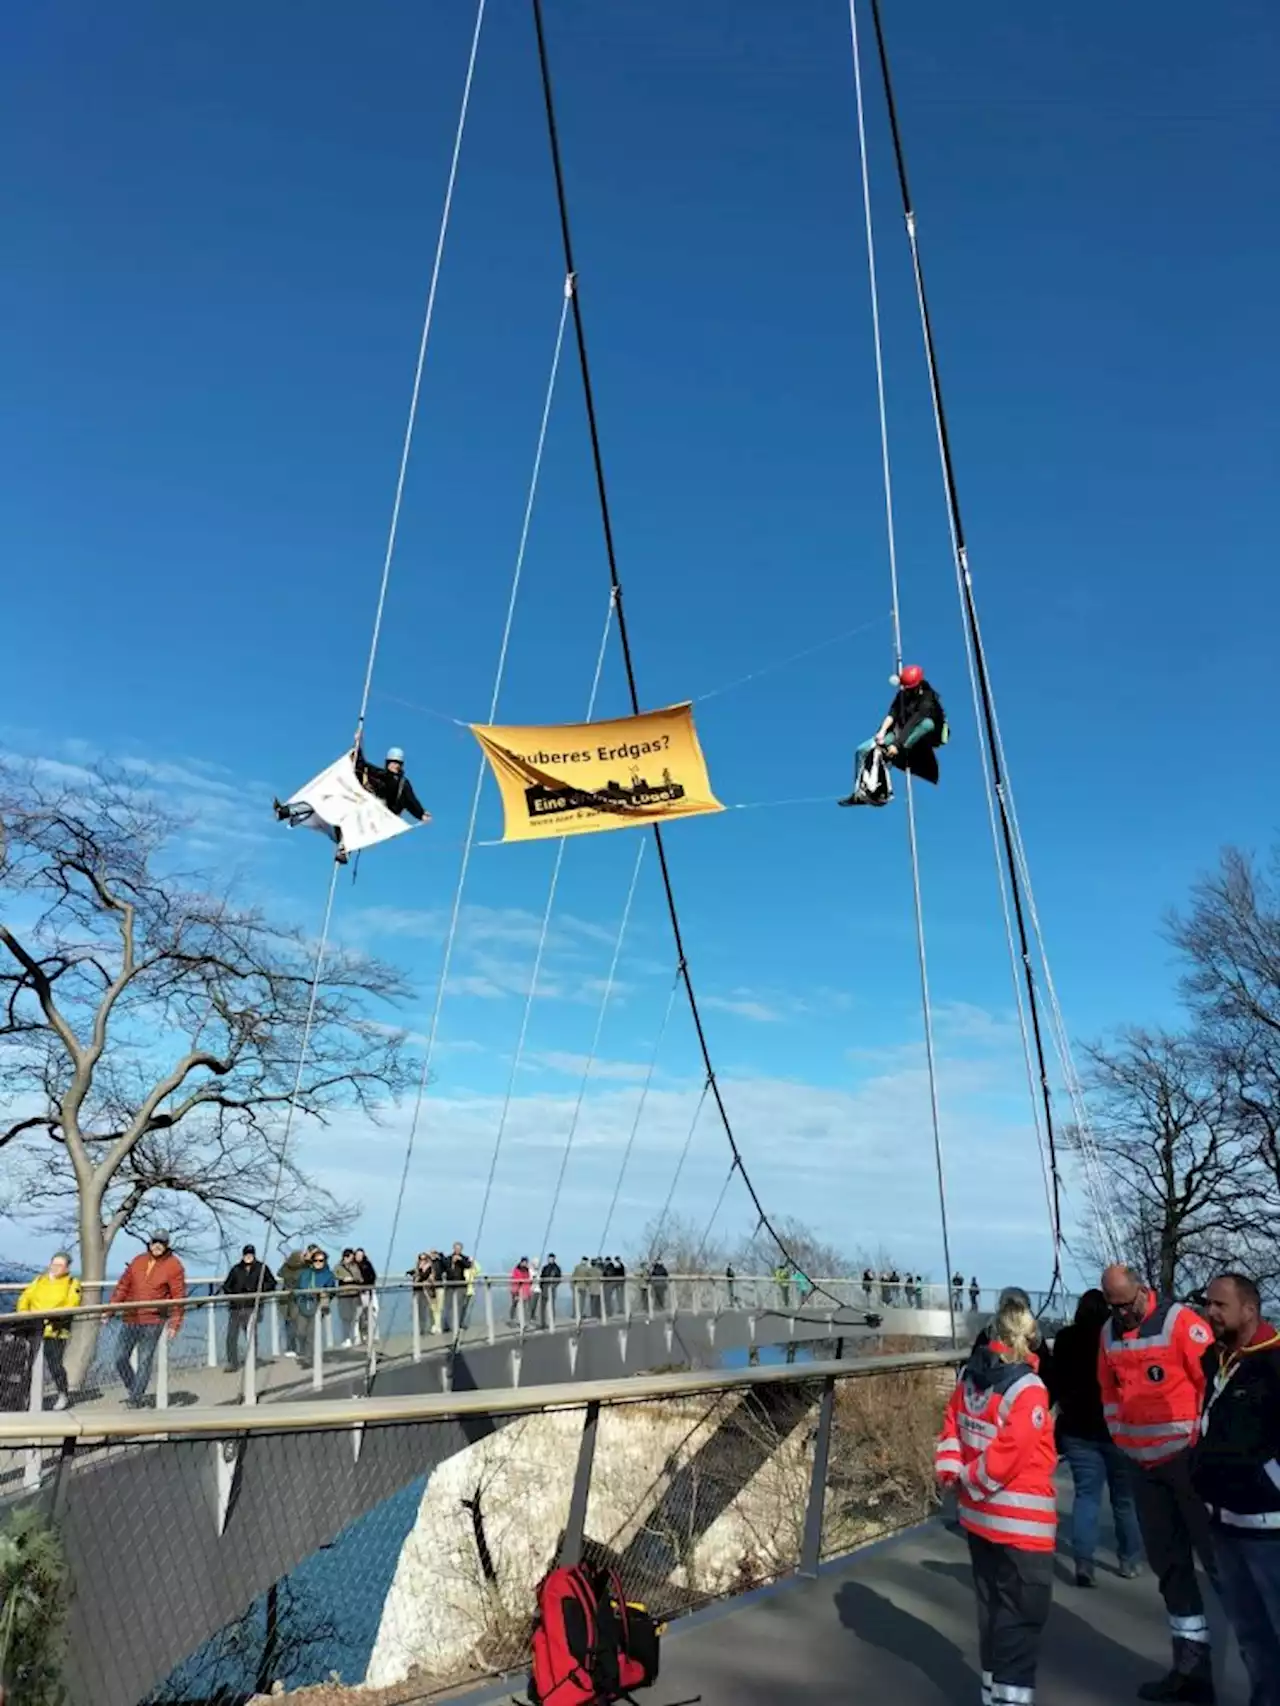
(388,782)
(354,803)
(914,727)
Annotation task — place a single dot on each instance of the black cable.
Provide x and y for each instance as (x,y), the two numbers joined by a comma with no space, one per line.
(975,636)
(553,136)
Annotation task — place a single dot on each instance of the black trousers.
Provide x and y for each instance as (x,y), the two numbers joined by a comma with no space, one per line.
(1175,1527)
(1014,1590)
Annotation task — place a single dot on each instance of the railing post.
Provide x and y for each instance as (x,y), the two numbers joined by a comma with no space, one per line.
(551,1308)
(415,1325)
(162,1368)
(35,1404)
(488,1311)
(211,1332)
(273,1316)
(577,1305)
(811,1545)
(249,1387)
(317,1350)
(520,1321)
(571,1545)
(328,1330)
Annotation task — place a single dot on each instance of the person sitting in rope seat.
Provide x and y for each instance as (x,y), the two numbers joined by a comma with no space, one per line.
(388,782)
(908,739)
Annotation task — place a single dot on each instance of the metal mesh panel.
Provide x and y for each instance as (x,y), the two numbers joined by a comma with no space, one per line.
(206,1569)
(880,1469)
(698,1497)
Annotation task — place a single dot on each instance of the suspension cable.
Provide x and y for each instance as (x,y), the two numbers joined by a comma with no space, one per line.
(639,1113)
(425,339)
(309,1021)
(964,583)
(587,1070)
(715,1212)
(494,697)
(655,1243)
(606,520)
(536,973)
(892,540)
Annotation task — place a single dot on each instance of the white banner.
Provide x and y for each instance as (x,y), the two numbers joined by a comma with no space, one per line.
(336,800)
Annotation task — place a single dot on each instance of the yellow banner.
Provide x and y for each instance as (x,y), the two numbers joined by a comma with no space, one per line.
(573,778)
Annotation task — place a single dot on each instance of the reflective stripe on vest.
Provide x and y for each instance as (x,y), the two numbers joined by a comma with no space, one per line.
(1000,1527)
(1144,1341)
(1010,1694)
(1189,1629)
(1241,1519)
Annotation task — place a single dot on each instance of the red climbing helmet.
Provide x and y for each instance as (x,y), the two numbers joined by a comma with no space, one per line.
(911,676)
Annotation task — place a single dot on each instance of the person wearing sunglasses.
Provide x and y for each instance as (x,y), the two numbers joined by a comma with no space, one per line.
(1152,1385)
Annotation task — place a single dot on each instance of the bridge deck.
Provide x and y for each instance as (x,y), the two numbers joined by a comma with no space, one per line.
(896,1624)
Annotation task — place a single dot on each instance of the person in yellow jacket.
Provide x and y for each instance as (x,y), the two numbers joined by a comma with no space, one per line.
(56,1288)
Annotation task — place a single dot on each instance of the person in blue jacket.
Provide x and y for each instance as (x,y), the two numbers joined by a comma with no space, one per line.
(317,1285)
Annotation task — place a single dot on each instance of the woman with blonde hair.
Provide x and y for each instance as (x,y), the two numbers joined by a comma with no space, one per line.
(997,1449)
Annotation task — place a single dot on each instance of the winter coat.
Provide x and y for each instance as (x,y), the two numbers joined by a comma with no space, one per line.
(313,1283)
(1235,1466)
(395,792)
(1152,1382)
(246,1279)
(996,1446)
(45,1292)
(152,1279)
(521,1283)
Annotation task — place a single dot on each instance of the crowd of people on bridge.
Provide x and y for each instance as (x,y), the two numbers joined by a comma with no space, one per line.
(1177,1414)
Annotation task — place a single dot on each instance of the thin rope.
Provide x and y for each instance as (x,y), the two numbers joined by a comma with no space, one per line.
(891,536)
(425,339)
(530,997)
(595,1044)
(624,638)
(728,1180)
(791,657)
(498,676)
(655,1243)
(312,999)
(969,615)
(635,1123)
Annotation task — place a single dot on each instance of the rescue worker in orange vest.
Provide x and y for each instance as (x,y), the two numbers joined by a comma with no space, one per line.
(996,1448)
(1149,1370)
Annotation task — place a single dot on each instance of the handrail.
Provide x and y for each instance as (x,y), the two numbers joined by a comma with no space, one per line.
(19,1430)
(104,1309)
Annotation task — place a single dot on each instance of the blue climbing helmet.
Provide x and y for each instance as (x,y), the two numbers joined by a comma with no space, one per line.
(395,755)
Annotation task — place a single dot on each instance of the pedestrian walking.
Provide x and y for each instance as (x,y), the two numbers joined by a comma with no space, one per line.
(996,1448)
(975,1293)
(290,1270)
(317,1286)
(868,1285)
(457,1268)
(367,1318)
(1235,1469)
(347,1273)
(1152,1379)
(56,1288)
(521,1293)
(548,1289)
(1097,1464)
(156,1280)
(730,1277)
(246,1283)
(658,1277)
(957,1291)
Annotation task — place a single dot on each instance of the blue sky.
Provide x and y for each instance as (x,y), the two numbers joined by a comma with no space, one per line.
(218,232)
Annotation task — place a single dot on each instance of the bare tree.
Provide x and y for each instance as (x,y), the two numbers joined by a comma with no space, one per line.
(1185,1185)
(1230,944)
(151,1026)
(682,1244)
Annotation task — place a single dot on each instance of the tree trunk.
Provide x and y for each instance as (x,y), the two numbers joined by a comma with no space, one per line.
(93,1267)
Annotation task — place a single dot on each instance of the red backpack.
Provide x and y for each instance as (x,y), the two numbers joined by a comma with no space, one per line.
(590,1647)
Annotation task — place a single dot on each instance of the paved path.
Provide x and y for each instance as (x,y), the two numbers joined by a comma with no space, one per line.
(896,1626)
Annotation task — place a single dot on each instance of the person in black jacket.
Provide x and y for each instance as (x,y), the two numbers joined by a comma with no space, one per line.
(914,727)
(1235,1468)
(388,782)
(1086,1444)
(248,1280)
(548,1288)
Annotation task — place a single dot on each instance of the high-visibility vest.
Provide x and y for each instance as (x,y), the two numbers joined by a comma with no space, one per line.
(1152,1382)
(997,1446)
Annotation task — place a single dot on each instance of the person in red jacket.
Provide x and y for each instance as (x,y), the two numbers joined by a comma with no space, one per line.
(521,1292)
(1152,1384)
(154,1277)
(997,1449)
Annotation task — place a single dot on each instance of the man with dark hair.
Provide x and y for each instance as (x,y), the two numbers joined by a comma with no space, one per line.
(1235,1469)
(1152,1385)
(245,1285)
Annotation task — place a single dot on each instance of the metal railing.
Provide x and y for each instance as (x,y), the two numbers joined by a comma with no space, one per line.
(695,1486)
(234,1351)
